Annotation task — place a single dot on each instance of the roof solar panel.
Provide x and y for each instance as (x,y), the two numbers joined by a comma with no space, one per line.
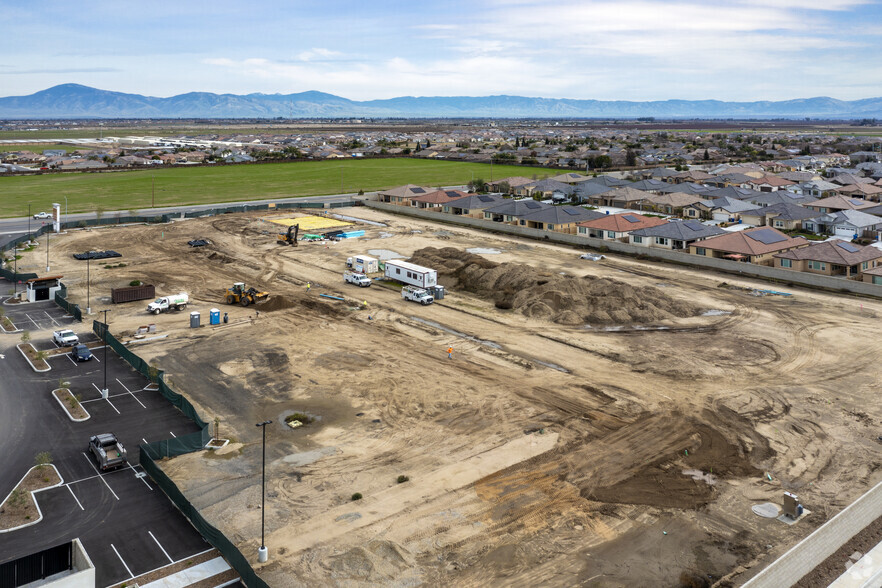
(766,236)
(856,201)
(572,210)
(631,218)
(417,190)
(485,198)
(848,247)
(532,204)
(452,193)
(694,225)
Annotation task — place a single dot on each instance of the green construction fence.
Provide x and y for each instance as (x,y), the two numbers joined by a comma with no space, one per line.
(157,450)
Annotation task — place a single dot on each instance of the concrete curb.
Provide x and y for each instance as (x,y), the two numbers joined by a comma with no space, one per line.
(87,417)
(33,493)
(6,331)
(28,359)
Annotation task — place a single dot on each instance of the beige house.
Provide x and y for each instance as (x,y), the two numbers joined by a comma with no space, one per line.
(831,258)
(616,227)
(403,194)
(757,245)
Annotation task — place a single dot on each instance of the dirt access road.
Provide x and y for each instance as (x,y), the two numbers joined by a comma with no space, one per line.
(543,453)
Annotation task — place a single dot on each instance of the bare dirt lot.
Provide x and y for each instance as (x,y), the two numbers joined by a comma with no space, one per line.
(600,423)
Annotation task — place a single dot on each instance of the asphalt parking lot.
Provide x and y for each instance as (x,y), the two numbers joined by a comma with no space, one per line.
(127,525)
(40,316)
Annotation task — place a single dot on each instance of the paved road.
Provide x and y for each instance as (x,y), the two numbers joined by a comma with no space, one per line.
(10,228)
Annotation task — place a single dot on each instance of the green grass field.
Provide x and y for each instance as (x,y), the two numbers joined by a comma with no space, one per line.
(131,190)
(36,147)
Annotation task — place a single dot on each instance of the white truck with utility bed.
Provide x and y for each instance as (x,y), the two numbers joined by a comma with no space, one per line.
(65,338)
(357,278)
(417,295)
(167,303)
(107,451)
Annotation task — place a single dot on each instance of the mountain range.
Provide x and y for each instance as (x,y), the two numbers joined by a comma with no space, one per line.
(77,101)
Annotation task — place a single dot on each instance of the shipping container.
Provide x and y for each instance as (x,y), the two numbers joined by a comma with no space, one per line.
(132,293)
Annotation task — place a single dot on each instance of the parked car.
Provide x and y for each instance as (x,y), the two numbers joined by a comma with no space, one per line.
(107,451)
(81,352)
(592,256)
(42,215)
(65,338)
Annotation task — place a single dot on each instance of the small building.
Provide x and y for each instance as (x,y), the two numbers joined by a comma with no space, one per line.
(614,227)
(674,234)
(402,194)
(38,289)
(756,245)
(472,205)
(437,199)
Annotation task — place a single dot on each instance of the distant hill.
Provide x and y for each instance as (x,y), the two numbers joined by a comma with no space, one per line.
(76,101)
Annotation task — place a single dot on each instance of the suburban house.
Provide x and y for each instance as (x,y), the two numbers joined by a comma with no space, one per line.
(756,245)
(571,178)
(849,224)
(870,192)
(402,194)
(772,198)
(674,234)
(511,211)
(834,203)
(873,275)
(719,209)
(436,199)
(589,192)
(732,192)
(820,188)
(512,183)
(672,203)
(692,175)
(472,205)
(622,197)
(768,183)
(831,258)
(783,216)
(615,227)
(550,189)
(562,219)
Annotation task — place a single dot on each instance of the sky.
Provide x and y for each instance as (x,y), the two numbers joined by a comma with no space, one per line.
(740,50)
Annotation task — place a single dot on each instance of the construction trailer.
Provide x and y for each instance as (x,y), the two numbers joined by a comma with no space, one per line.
(411,274)
(363,263)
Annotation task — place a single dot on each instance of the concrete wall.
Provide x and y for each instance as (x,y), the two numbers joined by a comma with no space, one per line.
(814,549)
(654,253)
(81,576)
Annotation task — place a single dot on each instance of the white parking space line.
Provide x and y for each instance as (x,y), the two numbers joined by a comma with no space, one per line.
(170,560)
(145,441)
(70,358)
(130,392)
(75,497)
(36,324)
(131,575)
(107,399)
(141,477)
(173,435)
(55,322)
(102,478)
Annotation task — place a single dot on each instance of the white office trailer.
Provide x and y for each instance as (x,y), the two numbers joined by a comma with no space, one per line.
(411,274)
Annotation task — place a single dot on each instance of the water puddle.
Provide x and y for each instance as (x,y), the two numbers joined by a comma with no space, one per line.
(385,254)
(358,220)
(484,251)
(713,312)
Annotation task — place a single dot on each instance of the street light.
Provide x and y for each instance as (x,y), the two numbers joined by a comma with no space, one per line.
(153,190)
(88,282)
(29,220)
(263,553)
(65,207)
(47,251)
(104,390)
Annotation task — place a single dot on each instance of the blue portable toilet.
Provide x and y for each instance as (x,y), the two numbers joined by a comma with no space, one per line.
(214,316)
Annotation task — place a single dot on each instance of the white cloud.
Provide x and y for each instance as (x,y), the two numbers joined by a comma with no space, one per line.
(317,54)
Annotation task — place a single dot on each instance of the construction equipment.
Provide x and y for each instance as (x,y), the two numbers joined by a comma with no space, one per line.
(289,238)
(239,295)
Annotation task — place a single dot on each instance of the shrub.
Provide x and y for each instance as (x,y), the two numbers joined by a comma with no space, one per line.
(135,283)
(402,479)
(43,458)
(356,496)
(303,419)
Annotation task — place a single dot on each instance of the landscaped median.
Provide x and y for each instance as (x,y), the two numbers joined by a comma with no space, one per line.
(20,508)
(71,404)
(37,359)
(6,324)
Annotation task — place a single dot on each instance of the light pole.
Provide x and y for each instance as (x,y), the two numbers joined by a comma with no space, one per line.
(104,390)
(47,251)
(29,221)
(263,552)
(88,282)
(65,207)
(153,191)
(15,269)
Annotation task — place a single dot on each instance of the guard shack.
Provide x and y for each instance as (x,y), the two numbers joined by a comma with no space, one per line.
(43,288)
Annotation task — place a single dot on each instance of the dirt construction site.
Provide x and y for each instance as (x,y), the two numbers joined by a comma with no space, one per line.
(600,423)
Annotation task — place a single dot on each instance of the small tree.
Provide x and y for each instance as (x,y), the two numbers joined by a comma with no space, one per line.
(99,212)
(26,337)
(153,373)
(17,498)
(41,355)
(43,459)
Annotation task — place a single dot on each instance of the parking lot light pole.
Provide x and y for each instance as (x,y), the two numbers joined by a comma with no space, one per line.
(47,251)
(88,293)
(104,390)
(263,553)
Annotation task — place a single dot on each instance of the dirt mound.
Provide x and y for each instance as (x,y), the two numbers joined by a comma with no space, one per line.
(561,299)
(276,303)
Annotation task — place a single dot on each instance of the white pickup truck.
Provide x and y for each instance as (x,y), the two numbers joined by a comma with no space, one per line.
(357,278)
(417,295)
(166,303)
(107,451)
(65,338)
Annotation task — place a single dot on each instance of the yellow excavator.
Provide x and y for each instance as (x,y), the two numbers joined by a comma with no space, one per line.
(290,237)
(239,295)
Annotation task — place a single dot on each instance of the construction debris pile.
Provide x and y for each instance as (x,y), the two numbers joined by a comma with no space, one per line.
(558,298)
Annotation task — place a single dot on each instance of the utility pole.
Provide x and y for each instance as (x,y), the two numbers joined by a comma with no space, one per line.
(153,188)
(29,220)
(104,393)
(263,552)
(88,282)
(47,251)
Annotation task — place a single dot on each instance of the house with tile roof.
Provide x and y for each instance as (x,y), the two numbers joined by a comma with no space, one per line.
(616,227)
(511,211)
(402,194)
(873,275)
(562,219)
(768,184)
(870,192)
(674,235)
(848,224)
(756,245)
(783,216)
(831,258)
(472,205)
(673,203)
(819,188)
(621,197)
(719,209)
(436,199)
(834,203)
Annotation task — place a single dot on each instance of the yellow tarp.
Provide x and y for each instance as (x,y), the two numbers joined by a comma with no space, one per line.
(311,223)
